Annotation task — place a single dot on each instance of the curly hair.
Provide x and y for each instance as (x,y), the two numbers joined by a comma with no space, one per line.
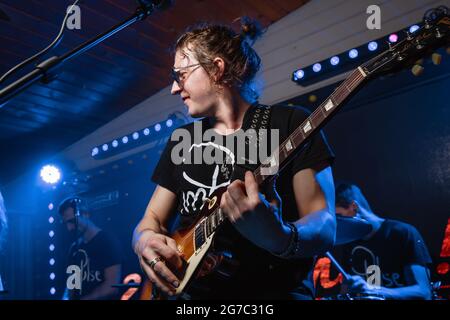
(208,41)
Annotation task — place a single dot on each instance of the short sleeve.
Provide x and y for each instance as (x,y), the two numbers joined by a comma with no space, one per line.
(164,173)
(416,251)
(316,153)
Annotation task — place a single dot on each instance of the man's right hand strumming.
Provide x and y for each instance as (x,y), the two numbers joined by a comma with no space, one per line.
(159,258)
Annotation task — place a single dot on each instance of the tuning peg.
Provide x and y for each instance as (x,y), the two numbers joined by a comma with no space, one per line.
(408,36)
(419,46)
(438,33)
(391,47)
(417,70)
(427,24)
(436,58)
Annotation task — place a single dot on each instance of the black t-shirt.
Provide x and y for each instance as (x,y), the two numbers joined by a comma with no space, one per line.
(92,258)
(393,247)
(259,272)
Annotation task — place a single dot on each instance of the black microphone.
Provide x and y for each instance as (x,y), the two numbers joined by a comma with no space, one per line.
(156,4)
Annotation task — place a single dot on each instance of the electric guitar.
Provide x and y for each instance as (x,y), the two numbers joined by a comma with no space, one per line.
(196,241)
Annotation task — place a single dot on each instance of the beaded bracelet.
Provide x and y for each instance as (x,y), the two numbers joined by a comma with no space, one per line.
(294,244)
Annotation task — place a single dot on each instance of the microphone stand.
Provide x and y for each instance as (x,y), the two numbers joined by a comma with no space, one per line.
(43,71)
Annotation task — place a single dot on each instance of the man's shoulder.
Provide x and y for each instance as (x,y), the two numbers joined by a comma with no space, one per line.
(400,227)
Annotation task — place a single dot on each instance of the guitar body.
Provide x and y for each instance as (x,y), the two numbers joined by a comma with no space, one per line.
(194,242)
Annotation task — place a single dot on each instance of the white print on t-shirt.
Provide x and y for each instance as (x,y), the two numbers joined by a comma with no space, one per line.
(81,273)
(190,198)
(389,279)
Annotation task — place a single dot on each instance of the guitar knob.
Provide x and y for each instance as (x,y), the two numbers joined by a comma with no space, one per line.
(417,70)
(436,58)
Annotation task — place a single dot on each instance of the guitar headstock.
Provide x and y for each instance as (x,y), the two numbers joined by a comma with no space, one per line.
(433,32)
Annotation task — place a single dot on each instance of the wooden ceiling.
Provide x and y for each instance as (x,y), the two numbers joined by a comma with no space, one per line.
(105,81)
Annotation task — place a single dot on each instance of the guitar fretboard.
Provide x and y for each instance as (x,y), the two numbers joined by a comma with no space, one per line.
(299,136)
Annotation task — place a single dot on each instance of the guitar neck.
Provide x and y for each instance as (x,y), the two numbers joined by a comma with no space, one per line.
(298,138)
(293,143)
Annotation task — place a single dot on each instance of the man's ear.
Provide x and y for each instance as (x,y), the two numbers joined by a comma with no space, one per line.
(219,64)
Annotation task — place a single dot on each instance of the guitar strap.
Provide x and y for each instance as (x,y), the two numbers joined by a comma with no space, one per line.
(257,119)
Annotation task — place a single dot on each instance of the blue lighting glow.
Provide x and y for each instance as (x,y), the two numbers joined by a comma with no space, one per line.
(146,131)
(51,220)
(50,174)
(353,53)
(414,28)
(135,136)
(334,61)
(372,46)
(115,143)
(105,147)
(169,123)
(50,206)
(52,291)
(51,247)
(317,67)
(157,127)
(125,139)
(94,152)
(51,261)
(52,276)
(299,74)
(51,233)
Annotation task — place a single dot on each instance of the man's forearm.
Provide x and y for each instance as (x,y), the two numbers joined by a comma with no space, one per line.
(415,292)
(101,292)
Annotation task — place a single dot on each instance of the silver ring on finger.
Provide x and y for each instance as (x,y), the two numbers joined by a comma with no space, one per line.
(154,261)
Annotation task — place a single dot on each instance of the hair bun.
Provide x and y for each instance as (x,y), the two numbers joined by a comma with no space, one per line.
(251,29)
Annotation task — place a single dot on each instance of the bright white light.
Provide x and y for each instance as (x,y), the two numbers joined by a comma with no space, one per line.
(334,60)
(50,174)
(146,131)
(115,143)
(50,206)
(393,38)
(51,261)
(372,46)
(52,276)
(125,139)
(157,127)
(94,152)
(51,220)
(353,53)
(51,234)
(299,74)
(52,291)
(135,136)
(413,28)
(169,123)
(105,147)
(51,247)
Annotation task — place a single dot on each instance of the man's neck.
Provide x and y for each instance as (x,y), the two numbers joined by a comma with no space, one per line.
(229,114)
(90,233)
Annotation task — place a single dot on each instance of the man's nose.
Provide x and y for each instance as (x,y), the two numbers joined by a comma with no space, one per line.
(175,88)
